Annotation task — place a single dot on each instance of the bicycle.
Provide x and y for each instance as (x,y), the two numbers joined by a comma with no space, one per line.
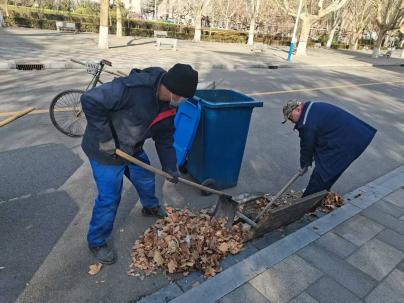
(65,109)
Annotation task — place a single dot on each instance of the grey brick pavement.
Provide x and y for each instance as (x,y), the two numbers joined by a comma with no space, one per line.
(353,254)
(275,283)
(358,230)
(304,298)
(328,290)
(391,290)
(340,270)
(376,258)
(336,244)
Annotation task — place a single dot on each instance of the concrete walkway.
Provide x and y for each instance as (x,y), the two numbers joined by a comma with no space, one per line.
(54,50)
(354,254)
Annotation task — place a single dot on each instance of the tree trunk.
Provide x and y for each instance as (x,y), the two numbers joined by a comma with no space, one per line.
(304,36)
(331,37)
(227,23)
(103,35)
(376,49)
(251,32)
(354,42)
(198,27)
(6,14)
(118,19)
(402,47)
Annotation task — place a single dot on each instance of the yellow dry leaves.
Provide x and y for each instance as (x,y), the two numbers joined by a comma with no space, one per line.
(331,202)
(185,242)
(94,269)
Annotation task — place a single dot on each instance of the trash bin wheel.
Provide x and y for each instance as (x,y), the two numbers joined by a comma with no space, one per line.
(208,183)
(183,168)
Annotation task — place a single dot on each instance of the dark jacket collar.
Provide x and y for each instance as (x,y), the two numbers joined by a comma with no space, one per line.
(148,77)
(299,123)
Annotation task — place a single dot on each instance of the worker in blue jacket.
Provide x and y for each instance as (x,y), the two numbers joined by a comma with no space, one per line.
(123,114)
(331,136)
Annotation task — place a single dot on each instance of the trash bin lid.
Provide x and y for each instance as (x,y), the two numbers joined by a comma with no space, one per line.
(186,125)
(222,98)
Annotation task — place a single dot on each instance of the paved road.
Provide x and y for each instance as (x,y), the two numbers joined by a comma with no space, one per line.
(47,191)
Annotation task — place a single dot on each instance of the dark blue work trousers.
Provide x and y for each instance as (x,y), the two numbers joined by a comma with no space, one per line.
(109,180)
(316,183)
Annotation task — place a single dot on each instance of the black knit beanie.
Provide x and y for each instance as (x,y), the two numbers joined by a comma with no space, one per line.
(181,80)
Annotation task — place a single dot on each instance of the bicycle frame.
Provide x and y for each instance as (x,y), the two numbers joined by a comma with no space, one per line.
(96,78)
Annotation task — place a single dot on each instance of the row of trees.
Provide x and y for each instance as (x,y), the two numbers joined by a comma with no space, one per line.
(335,19)
(352,16)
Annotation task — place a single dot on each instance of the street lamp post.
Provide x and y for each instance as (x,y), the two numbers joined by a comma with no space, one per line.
(292,42)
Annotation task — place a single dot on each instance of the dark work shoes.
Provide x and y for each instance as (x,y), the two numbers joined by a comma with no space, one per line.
(158,211)
(104,254)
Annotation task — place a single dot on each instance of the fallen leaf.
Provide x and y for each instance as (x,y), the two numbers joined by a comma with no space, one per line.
(172,265)
(224,247)
(158,258)
(174,217)
(95,269)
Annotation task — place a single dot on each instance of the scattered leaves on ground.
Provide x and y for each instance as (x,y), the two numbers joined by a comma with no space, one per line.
(94,269)
(331,202)
(185,242)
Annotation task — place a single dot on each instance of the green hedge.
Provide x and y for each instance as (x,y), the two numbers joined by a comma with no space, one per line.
(42,20)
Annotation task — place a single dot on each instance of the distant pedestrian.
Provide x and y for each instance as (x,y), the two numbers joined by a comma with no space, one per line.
(123,114)
(331,136)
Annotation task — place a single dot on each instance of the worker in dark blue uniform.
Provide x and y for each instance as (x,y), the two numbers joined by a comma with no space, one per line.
(123,114)
(331,136)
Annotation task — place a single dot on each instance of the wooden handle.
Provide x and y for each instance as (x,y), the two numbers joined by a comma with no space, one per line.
(16,116)
(157,171)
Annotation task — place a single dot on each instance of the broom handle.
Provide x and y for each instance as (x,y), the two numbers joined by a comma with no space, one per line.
(160,172)
(291,181)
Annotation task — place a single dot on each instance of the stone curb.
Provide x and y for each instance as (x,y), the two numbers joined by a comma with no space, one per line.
(217,287)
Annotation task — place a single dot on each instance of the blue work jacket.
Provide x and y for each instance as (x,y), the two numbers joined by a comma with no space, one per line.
(331,136)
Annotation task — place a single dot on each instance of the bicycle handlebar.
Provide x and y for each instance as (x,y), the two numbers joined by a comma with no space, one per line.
(119,73)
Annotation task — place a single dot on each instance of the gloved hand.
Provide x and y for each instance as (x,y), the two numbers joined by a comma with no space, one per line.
(108,147)
(302,171)
(174,178)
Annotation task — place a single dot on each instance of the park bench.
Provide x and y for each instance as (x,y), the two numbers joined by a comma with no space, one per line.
(166,43)
(317,45)
(258,48)
(160,34)
(388,53)
(66,26)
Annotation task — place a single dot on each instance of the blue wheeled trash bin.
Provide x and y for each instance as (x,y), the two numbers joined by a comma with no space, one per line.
(211,133)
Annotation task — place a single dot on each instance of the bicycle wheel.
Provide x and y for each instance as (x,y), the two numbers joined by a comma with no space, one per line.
(66,113)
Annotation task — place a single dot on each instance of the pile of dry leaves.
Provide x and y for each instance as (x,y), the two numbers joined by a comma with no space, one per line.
(331,202)
(184,242)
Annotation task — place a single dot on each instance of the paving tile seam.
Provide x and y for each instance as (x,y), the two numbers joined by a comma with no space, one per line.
(379,283)
(323,274)
(374,237)
(393,174)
